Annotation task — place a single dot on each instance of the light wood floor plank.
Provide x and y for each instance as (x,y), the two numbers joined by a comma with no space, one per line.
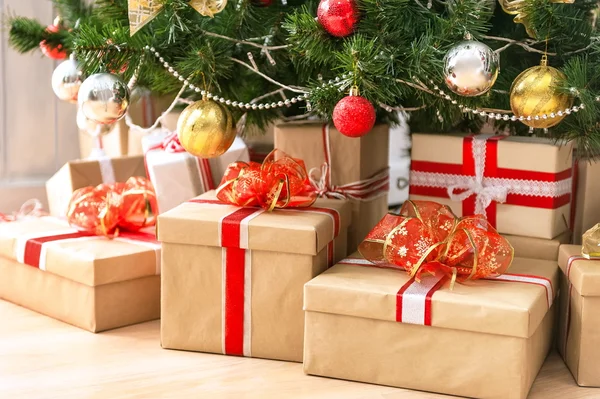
(41,358)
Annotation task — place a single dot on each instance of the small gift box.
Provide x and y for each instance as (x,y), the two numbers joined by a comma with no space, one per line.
(343,167)
(178,176)
(579,323)
(417,329)
(82,173)
(538,248)
(90,281)
(233,276)
(497,176)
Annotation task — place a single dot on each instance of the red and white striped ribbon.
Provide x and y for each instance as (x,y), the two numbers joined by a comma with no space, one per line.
(32,248)
(362,190)
(236,264)
(414,299)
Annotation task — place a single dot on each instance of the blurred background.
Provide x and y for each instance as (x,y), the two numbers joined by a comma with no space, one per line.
(38,133)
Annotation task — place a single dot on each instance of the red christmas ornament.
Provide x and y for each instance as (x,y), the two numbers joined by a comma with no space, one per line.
(338,17)
(354,116)
(56,53)
(261,3)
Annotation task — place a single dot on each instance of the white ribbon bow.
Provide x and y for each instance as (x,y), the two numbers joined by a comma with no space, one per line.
(484,194)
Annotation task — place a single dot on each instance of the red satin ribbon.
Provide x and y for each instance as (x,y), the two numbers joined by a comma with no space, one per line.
(491,170)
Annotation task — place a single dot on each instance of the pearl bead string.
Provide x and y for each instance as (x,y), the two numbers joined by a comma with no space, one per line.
(209,95)
(498,115)
(331,82)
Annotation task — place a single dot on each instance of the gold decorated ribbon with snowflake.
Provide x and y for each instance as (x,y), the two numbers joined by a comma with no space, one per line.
(141,12)
(427,238)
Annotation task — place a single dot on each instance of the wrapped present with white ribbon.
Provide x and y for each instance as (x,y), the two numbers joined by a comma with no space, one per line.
(522,185)
(178,176)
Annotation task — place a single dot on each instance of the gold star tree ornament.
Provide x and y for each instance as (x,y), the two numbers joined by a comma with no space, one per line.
(143,11)
(517,7)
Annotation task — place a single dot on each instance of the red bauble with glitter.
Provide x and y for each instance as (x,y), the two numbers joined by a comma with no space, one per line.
(338,17)
(354,116)
(261,3)
(56,53)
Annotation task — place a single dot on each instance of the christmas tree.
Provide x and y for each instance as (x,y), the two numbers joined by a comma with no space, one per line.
(450,64)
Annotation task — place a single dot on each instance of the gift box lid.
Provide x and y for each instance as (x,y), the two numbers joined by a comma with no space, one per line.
(514,152)
(86,172)
(582,272)
(514,306)
(294,230)
(52,245)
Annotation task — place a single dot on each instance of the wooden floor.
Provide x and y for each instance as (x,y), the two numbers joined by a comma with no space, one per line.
(42,358)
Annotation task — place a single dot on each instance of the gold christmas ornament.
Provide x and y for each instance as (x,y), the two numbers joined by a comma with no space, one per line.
(516,7)
(591,242)
(206,129)
(534,94)
(141,12)
(208,8)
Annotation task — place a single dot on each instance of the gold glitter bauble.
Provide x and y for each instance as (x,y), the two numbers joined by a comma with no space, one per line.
(534,93)
(206,129)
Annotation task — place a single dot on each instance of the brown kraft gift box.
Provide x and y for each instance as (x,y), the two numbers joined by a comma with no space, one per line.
(352,160)
(485,339)
(233,277)
(83,173)
(587,198)
(537,189)
(538,248)
(579,324)
(90,282)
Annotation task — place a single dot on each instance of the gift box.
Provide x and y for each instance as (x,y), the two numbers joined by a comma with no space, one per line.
(113,143)
(357,168)
(260,143)
(586,212)
(178,176)
(88,281)
(483,339)
(497,176)
(122,140)
(399,175)
(145,112)
(83,173)
(233,277)
(579,322)
(538,248)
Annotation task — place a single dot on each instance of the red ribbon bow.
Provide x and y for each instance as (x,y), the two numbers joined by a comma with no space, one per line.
(105,209)
(276,183)
(428,238)
(31,208)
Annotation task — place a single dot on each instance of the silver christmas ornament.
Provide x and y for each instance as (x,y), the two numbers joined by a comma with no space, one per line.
(104,98)
(471,68)
(91,127)
(66,80)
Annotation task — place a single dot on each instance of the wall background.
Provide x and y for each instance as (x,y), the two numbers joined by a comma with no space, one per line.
(38,132)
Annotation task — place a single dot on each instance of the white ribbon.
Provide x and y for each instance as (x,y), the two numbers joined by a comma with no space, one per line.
(484,192)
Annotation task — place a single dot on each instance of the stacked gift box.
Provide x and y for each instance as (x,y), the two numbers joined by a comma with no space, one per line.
(259,259)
